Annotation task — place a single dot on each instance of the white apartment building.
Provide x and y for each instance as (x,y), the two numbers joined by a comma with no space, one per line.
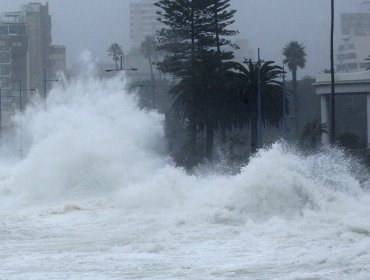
(143,21)
(352,54)
(355,45)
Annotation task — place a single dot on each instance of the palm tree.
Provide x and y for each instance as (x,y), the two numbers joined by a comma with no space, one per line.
(271,91)
(148,49)
(198,100)
(295,56)
(115,51)
(313,131)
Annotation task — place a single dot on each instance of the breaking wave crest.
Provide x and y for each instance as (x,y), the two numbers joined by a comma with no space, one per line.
(93,141)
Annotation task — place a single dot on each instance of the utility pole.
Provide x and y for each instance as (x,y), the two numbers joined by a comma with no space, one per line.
(259,102)
(332,94)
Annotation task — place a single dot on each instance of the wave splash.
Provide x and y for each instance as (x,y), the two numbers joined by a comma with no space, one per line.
(94,141)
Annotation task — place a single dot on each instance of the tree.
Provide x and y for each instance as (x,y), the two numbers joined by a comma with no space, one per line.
(194,34)
(115,51)
(313,131)
(295,56)
(148,49)
(181,20)
(221,19)
(271,92)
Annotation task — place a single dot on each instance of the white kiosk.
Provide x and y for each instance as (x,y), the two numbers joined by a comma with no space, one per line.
(345,83)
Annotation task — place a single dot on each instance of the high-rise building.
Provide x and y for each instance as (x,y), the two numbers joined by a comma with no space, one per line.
(57,60)
(26,54)
(354,48)
(143,20)
(13,68)
(13,52)
(25,48)
(39,37)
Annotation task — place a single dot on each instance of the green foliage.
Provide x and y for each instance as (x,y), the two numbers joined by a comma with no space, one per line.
(115,51)
(194,34)
(313,131)
(149,47)
(271,92)
(295,55)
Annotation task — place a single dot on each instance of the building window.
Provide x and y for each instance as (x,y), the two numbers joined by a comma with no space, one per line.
(351,55)
(4,30)
(13,30)
(347,56)
(22,30)
(4,83)
(341,67)
(4,57)
(365,65)
(352,66)
(5,92)
(5,70)
(4,49)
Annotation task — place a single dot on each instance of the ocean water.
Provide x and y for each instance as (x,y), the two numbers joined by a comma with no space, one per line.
(96,197)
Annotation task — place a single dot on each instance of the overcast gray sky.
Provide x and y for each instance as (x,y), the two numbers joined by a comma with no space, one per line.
(93,24)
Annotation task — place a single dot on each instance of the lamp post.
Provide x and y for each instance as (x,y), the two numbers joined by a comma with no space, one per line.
(259,101)
(45,80)
(332,94)
(258,64)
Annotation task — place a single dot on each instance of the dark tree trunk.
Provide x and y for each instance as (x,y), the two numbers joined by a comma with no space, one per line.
(193,138)
(116,62)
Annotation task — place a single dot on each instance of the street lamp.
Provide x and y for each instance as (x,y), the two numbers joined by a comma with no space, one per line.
(258,64)
(332,78)
(20,90)
(259,100)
